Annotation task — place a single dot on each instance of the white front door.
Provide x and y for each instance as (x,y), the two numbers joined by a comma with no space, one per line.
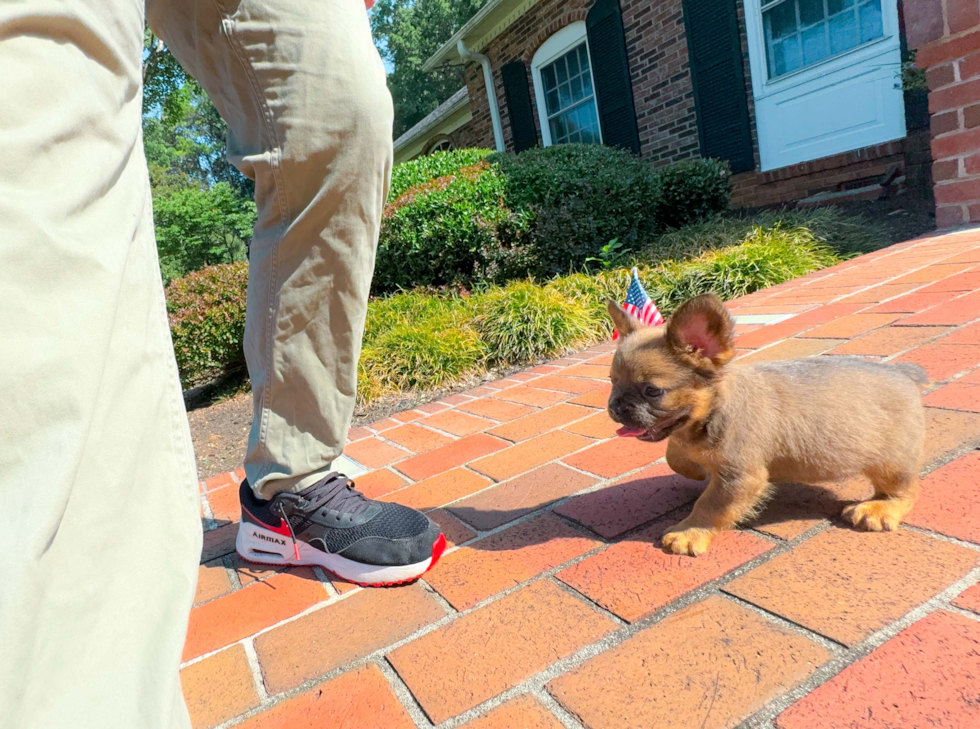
(825,76)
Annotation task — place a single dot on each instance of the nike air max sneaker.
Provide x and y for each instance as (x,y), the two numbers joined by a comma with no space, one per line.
(333,526)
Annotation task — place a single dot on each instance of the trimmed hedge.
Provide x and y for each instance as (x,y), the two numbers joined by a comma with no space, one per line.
(421,170)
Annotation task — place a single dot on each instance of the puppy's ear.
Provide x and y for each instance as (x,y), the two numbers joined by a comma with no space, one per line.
(625,323)
(702,327)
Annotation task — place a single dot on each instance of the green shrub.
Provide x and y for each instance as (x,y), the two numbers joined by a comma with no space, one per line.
(420,170)
(846,234)
(523,321)
(580,197)
(767,256)
(207,321)
(692,190)
(458,231)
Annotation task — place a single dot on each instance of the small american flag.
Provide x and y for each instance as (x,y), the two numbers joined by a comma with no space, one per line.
(639,304)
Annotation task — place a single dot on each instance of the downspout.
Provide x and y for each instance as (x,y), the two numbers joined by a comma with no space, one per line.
(498,130)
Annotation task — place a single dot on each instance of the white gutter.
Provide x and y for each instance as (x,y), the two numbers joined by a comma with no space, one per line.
(498,130)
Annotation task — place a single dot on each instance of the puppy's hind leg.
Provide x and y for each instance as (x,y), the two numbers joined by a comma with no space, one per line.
(895,494)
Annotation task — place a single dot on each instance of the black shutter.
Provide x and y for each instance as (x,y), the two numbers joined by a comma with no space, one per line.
(720,97)
(611,71)
(519,106)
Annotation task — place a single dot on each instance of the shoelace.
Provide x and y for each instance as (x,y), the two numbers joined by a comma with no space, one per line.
(334,491)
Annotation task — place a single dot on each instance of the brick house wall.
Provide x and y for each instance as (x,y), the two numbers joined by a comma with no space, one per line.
(946,34)
(663,96)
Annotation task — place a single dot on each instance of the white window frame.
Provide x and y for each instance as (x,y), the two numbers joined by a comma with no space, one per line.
(552,49)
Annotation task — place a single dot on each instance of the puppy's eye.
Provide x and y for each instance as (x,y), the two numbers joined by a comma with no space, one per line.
(652,391)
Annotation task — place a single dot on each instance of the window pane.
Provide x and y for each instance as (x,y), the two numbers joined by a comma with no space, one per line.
(792,54)
(811,11)
(587,83)
(573,69)
(576,84)
(551,101)
(561,70)
(843,32)
(548,76)
(781,20)
(871,27)
(564,96)
(816,47)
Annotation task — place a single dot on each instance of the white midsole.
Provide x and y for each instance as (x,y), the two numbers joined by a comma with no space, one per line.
(256,544)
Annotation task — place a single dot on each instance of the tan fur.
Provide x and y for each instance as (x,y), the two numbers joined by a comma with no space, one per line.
(746,427)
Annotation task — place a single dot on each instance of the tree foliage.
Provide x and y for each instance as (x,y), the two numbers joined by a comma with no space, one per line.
(407,33)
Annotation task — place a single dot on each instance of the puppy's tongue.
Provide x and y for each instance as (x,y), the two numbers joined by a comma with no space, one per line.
(626,432)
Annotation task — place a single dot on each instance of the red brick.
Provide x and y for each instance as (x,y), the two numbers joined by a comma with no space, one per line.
(515,498)
(374,453)
(947,169)
(971,164)
(529,454)
(616,457)
(378,483)
(961,394)
(456,531)
(457,423)
(950,501)
(971,118)
(969,599)
(219,688)
(598,425)
(212,582)
(912,303)
(342,632)
(850,326)
(950,216)
(790,349)
(379,426)
(942,361)
(595,399)
(966,281)
(846,584)
(961,15)
(219,542)
(456,400)
(956,145)
(249,572)
(949,432)
(958,311)
(593,370)
(230,478)
(878,293)
(632,502)
(449,456)
(969,66)
(228,619)
(952,97)
(407,416)
(531,396)
(524,712)
(967,335)
(939,76)
(356,700)
(712,664)
(496,409)
(355,434)
(540,422)
(433,407)
(924,676)
(574,385)
(416,438)
(768,335)
(634,578)
(889,341)
(439,490)
(529,630)
(503,560)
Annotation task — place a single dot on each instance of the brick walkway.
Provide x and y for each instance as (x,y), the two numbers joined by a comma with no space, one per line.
(554,608)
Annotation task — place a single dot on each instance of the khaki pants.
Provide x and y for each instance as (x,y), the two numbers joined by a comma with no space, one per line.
(97,482)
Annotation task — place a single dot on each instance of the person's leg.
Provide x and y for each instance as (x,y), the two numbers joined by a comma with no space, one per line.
(102,532)
(302,88)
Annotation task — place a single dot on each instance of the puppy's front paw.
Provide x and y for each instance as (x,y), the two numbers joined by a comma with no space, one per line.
(681,539)
(876,515)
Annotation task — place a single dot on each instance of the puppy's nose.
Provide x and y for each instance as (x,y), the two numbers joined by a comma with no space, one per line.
(616,409)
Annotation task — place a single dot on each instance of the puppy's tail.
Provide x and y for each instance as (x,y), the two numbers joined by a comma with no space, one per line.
(913,371)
